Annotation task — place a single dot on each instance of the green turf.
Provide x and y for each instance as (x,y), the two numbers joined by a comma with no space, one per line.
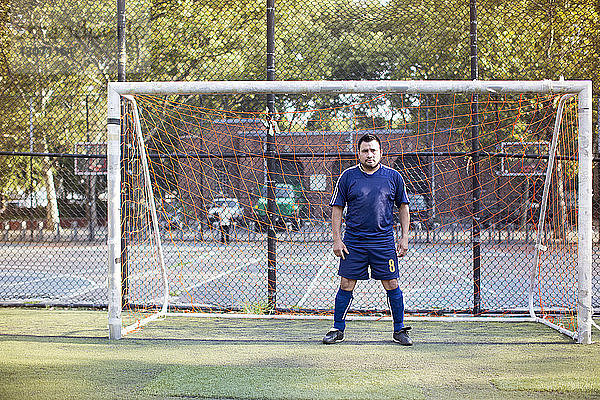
(284,383)
(64,354)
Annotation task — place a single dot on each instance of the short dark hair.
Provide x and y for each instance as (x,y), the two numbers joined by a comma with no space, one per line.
(368,137)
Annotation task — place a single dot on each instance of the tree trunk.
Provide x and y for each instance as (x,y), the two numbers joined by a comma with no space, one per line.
(52,216)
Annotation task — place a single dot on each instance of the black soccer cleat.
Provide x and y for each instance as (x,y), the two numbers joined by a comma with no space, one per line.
(401,336)
(333,336)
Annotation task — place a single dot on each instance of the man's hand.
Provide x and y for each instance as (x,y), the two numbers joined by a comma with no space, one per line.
(404,216)
(402,248)
(339,249)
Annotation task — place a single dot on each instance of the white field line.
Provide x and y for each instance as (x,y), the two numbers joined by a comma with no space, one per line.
(143,275)
(454,273)
(313,282)
(91,288)
(222,274)
(47,278)
(432,288)
(24,283)
(156,271)
(447,269)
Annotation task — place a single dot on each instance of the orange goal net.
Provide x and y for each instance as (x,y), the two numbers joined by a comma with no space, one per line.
(224,206)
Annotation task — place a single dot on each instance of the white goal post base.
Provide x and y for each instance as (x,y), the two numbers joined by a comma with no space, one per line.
(583,89)
(445,319)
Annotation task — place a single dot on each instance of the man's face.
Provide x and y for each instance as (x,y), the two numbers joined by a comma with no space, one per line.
(369,155)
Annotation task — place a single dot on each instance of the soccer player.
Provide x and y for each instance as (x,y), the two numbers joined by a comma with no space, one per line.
(369,192)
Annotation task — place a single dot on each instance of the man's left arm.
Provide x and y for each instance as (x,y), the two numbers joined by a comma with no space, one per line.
(404,217)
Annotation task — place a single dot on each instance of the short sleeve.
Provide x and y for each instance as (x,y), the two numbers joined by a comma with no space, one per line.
(401,196)
(340,191)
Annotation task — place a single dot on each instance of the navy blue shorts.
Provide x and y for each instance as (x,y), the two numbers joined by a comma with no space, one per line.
(382,261)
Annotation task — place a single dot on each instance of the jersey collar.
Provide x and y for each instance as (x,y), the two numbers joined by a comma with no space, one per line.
(369,173)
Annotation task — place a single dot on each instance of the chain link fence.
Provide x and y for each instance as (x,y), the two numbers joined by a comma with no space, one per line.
(57,59)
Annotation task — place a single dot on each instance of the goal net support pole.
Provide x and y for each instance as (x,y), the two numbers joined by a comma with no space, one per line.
(115,323)
(584,311)
(584,264)
(581,88)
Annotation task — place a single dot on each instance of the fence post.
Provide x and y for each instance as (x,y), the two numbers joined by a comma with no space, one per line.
(271,239)
(121,40)
(476,229)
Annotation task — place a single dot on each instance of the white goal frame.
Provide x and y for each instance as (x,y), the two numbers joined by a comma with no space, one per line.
(583,89)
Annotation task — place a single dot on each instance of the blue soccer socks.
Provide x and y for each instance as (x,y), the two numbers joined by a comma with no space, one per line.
(343,299)
(396,303)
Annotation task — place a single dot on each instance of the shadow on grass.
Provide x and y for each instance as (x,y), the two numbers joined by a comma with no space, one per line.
(267,342)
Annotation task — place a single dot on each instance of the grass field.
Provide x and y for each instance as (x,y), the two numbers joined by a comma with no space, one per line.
(64,354)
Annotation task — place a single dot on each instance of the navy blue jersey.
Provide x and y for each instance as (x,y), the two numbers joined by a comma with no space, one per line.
(370,202)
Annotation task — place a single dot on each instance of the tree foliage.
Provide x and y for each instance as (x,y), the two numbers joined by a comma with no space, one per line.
(54,54)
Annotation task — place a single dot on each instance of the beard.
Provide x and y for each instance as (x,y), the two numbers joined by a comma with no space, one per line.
(370,166)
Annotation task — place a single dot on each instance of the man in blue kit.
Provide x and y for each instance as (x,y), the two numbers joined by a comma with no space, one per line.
(369,191)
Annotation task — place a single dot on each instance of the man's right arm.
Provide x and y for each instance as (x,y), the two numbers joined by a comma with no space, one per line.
(339,248)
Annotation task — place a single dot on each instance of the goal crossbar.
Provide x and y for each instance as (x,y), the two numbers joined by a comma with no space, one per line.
(583,90)
(346,87)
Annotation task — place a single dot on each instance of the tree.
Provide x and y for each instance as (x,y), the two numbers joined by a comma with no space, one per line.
(546,39)
(53,55)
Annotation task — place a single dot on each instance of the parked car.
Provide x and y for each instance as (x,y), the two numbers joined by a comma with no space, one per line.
(225,207)
(288,207)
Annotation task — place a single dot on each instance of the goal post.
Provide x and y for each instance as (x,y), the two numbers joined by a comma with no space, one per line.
(119,92)
(115,323)
(584,270)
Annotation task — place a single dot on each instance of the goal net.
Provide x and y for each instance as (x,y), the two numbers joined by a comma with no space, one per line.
(218,205)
